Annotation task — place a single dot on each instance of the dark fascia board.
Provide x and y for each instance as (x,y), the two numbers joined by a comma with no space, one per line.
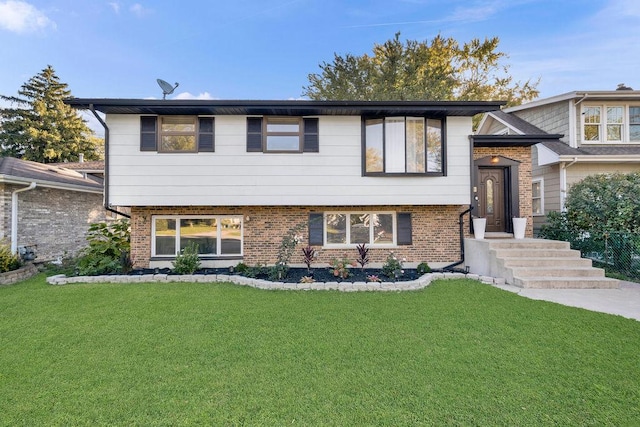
(511,140)
(284,107)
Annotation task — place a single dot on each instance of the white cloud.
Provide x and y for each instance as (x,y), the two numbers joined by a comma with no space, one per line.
(115,6)
(187,95)
(21,17)
(139,10)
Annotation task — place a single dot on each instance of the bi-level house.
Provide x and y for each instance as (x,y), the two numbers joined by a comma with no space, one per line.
(235,176)
(598,131)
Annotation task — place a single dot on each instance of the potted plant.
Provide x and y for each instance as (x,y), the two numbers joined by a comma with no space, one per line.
(479,226)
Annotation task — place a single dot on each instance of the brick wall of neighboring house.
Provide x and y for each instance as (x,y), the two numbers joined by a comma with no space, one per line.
(522,155)
(435,232)
(54,220)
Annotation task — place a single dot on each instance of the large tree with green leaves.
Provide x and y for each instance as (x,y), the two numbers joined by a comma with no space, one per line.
(38,126)
(437,70)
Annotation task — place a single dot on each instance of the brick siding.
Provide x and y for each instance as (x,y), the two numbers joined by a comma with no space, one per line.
(56,221)
(435,231)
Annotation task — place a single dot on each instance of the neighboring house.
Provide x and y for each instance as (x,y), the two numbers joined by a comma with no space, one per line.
(46,207)
(598,131)
(236,176)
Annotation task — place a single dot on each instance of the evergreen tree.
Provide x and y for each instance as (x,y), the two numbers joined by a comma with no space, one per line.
(38,126)
(440,70)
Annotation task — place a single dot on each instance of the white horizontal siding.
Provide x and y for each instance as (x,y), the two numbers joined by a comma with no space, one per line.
(230,176)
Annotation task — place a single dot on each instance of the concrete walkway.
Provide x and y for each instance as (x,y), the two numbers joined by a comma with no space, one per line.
(624,301)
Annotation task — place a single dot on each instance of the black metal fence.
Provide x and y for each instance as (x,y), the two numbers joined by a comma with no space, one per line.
(617,252)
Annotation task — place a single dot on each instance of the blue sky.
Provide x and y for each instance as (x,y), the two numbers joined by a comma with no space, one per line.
(264,49)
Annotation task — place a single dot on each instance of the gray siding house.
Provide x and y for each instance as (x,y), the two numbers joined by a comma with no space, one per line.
(589,132)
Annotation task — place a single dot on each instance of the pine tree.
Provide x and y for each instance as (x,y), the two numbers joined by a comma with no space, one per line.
(40,127)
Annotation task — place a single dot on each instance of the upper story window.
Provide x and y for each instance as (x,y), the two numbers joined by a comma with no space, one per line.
(403,145)
(611,124)
(275,134)
(176,134)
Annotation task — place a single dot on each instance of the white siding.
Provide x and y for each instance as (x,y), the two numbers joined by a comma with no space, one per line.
(230,176)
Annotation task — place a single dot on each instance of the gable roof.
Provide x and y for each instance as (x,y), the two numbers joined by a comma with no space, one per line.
(520,126)
(284,107)
(18,171)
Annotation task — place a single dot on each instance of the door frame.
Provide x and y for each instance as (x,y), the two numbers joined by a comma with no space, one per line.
(511,181)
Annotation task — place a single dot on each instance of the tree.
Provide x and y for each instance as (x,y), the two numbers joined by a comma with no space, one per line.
(602,216)
(40,127)
(439,70)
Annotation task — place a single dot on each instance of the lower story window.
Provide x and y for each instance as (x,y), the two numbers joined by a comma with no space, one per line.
(537,200)
(214,235)
(352,228)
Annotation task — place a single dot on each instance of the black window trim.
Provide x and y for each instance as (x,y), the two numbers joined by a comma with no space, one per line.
(146,146)
(443,147)
(309,135)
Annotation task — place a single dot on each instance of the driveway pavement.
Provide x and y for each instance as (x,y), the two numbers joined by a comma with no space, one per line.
(624,301)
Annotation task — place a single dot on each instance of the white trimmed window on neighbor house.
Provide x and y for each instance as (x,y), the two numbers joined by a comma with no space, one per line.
(611,124)
(537,196)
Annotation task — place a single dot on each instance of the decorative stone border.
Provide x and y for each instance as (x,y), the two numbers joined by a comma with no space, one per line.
(15,276)
(412,285)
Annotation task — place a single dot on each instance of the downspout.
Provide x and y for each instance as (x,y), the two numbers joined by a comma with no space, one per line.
(14,216)
(461,225)
(563,181)
(107,206)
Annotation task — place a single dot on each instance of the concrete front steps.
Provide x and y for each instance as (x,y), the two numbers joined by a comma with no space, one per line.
(534,263)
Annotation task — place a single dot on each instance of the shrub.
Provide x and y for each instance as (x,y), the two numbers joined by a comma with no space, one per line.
(241,268)
(285,251)
(340,268)
(8,260)
(108,250)
(392,268)
(188,260)
(423,268)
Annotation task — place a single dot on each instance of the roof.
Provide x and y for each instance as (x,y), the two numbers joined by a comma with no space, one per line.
(516,123)
(94,165)
(562,149)
(612,95)
(17,171)
(284,107)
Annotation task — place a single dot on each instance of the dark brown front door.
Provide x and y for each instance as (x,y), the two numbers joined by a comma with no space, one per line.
(491,197)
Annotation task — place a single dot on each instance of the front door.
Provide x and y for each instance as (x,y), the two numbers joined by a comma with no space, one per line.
(491,197)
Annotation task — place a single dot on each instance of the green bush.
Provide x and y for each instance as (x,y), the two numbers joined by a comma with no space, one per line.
(108,250)
(423,268)
(188,260)
(392,268)
(8,260)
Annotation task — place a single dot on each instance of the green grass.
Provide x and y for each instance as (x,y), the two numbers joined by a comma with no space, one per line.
(456,353)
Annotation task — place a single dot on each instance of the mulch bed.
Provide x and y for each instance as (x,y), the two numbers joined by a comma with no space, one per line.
(294,275)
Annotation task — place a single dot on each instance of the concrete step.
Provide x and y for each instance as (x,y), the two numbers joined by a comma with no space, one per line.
(529,244)
(506,253)
(542,261)
(566,283)
(544,272)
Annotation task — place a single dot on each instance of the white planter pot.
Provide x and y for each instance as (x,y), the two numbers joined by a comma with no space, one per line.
(519,226)
(479,225)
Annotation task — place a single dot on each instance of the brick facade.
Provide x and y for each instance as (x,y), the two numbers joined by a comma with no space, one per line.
(54,220)
(522,155)
(435,232)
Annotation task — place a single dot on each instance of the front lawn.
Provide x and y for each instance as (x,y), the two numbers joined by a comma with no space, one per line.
(456,353)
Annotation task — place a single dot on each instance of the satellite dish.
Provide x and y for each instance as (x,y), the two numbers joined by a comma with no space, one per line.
(167,89)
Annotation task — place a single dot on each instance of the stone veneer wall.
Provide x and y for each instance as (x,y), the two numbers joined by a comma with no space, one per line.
(435,231)
(522,155)
(56,221)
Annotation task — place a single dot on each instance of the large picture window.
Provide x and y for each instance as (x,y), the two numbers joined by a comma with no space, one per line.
(214,235)
(617,124)
(403,145)
(352,228)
